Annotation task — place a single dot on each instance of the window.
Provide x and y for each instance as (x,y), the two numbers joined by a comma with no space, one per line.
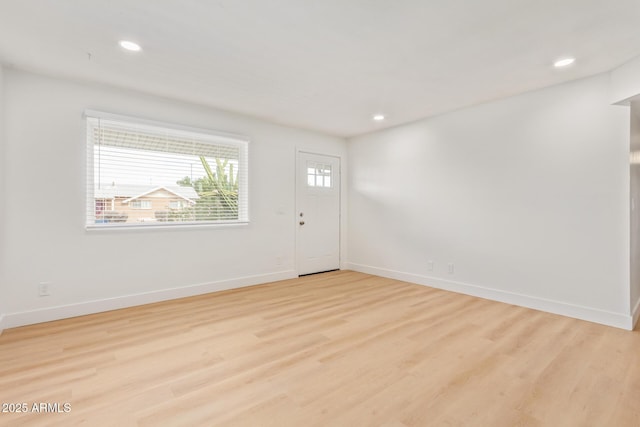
(140,204)
(147,174)
(318,175)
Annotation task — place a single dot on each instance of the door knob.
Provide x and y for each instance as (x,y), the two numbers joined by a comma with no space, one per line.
(301,222)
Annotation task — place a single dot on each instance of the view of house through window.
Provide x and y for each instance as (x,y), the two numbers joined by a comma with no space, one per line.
(140,174)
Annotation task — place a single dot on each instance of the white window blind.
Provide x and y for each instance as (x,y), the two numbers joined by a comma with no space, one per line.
(146,174)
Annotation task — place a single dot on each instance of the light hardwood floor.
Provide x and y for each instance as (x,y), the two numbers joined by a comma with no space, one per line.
(338,349)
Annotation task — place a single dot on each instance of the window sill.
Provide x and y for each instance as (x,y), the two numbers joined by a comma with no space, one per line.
(176,227)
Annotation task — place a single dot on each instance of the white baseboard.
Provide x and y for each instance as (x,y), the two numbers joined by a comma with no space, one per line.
(1,323)
(608,318)
(635,314)
(12,320)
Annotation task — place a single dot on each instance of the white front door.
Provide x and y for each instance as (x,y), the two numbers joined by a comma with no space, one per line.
(317,213)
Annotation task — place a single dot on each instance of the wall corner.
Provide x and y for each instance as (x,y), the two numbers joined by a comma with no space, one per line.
(625,82)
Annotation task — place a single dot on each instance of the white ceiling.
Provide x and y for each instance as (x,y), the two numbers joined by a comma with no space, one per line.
(326,65)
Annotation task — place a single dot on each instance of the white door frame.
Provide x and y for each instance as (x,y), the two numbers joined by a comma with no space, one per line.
(295,201)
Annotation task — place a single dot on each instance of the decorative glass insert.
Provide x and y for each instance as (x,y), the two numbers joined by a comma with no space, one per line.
(318,175)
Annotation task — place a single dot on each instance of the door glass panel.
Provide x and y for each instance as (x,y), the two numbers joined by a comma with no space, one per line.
(318,175)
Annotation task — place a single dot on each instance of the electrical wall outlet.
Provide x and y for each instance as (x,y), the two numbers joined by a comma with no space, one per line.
(44,289)
(450,268)
(430,265)
(278,260)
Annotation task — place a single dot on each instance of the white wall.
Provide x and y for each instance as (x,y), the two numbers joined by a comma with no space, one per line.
(527,196)
(3,298)
(89,271)
(635,209)
(625,83)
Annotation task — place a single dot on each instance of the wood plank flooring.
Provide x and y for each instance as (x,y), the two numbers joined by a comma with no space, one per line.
(337,349)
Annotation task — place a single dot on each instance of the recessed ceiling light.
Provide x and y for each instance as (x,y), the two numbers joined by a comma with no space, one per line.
(378,117)
(564,62)
(131,46)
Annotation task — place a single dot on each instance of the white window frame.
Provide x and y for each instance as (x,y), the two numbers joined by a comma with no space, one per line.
(141,204)
(229,138)
(322,175)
